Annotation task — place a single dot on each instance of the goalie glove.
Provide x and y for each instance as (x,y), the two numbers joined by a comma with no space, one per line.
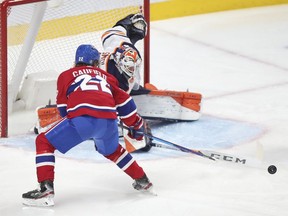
(135,26)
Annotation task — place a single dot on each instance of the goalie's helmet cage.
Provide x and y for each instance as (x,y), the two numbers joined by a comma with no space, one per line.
(86,54)
(128,61)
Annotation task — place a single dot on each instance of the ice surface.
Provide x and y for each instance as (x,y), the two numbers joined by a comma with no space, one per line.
(238,61)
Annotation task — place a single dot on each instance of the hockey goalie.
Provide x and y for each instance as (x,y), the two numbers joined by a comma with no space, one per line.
(122,59)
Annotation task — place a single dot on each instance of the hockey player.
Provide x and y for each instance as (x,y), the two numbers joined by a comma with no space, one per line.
(88,99)
(121,58)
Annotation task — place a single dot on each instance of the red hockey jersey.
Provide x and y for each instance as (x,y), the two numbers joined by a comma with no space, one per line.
(88,90)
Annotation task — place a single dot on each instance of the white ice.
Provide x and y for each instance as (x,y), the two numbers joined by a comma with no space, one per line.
(238,61)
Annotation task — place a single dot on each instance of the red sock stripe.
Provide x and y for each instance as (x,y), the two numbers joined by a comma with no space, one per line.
(126,162)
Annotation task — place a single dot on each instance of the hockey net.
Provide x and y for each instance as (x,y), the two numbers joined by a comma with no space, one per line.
(42,36)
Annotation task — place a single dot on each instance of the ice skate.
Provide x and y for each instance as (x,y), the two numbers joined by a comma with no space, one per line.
(143,184)
(43,196)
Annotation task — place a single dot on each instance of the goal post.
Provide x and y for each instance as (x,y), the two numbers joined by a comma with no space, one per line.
(39,39)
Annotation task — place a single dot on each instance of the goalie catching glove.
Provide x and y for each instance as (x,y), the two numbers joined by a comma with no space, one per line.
(135,26)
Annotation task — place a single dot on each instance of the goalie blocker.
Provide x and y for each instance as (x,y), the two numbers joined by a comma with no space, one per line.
(152,104)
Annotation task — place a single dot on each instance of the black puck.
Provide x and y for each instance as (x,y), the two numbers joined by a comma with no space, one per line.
(272,169)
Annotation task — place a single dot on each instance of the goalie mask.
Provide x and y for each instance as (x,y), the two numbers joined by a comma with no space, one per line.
(128,61)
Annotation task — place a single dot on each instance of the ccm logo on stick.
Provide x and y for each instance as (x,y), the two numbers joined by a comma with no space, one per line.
(228,158)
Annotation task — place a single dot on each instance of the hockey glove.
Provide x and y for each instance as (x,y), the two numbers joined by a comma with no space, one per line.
(137,131)
(135,26)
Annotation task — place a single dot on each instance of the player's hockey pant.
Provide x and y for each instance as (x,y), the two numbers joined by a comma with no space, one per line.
(70,132)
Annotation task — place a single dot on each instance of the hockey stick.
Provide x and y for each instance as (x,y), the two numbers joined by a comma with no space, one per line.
(181,148)
(221,156)
(177,147)
(159,145)
(212,155)
(250,162)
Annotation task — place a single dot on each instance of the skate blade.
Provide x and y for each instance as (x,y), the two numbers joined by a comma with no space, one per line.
(43,202)
(149,191)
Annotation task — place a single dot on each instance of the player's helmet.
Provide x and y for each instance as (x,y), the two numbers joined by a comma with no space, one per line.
(86,54)
(128,61)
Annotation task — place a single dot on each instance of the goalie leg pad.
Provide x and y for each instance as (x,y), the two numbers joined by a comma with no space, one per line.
(169,105)
(48,116)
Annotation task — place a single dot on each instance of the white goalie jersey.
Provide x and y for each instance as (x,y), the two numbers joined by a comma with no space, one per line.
(118,50)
